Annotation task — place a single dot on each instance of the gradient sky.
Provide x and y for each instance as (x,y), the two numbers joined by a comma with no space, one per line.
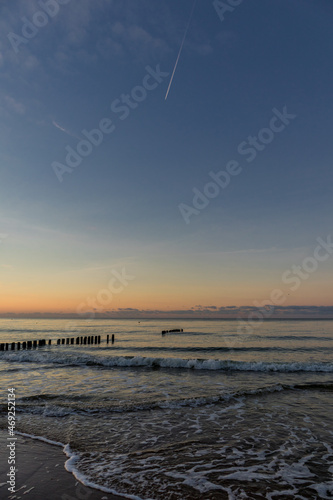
(61,242)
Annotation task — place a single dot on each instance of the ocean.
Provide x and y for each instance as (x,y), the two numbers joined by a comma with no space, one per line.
(202,414)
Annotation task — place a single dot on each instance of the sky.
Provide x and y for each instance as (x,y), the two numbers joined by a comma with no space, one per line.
(214,202)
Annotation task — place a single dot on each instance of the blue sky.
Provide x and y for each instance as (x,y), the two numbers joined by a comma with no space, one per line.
(120,206)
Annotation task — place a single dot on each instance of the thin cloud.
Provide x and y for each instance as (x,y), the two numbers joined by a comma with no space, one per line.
(134,39)
(14,105)
(68,132)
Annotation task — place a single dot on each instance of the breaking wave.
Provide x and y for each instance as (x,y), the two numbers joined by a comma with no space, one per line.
(78,359)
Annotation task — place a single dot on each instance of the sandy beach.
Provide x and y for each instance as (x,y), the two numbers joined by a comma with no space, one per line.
(41,474)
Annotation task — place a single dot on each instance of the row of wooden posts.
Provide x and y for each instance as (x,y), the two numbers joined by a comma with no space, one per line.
(33,344)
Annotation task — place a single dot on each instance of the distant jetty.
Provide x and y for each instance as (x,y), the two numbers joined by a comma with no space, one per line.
(176,330)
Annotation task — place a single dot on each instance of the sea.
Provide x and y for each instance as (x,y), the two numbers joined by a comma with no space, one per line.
(207,413)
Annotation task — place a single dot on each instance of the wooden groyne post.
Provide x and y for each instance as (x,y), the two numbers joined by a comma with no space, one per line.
(34,344)
(17,346)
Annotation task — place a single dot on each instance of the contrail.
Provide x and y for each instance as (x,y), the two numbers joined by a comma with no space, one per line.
(181,48)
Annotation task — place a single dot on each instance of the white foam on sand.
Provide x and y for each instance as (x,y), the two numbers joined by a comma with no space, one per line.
(40,438)
(70,466)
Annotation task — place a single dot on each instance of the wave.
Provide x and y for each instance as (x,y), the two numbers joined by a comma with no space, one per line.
(79,359)
(226,349)
(48,405)
(293,337)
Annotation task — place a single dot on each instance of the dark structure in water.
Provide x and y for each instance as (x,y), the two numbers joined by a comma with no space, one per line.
(176,330)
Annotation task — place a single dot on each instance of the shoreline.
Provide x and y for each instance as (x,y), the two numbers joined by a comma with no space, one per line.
(41,473)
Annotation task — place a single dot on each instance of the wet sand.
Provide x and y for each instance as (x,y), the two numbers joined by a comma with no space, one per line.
(41,473)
